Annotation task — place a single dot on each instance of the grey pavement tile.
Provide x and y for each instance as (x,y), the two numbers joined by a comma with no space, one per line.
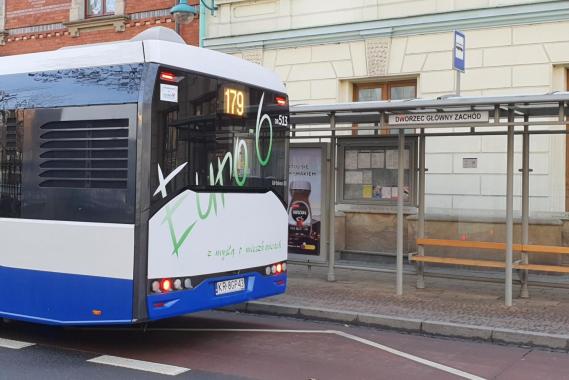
(462,302)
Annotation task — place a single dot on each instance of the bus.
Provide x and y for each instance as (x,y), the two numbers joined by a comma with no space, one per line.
(139,180)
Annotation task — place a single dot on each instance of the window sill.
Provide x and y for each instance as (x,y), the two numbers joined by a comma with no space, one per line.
(96,23)
(3,37)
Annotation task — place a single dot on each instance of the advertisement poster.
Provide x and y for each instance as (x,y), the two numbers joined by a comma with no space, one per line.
(305,200)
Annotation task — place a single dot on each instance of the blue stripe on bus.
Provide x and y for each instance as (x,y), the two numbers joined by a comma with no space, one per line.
(203,296)
(64,299)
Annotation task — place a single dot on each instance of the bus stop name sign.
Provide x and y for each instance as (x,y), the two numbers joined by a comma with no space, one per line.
(466,117)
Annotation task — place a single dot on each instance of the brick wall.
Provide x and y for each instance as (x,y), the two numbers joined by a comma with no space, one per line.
(29,13)
(20,13)
(133,6)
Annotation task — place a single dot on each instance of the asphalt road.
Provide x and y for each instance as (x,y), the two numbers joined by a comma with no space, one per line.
(231,346)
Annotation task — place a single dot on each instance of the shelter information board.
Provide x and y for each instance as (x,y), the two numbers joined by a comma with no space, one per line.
(466,117)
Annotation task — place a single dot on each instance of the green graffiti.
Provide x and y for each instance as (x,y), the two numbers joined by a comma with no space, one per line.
(218,179)
(260,120)
(241,181)
(212,204)
(177,243)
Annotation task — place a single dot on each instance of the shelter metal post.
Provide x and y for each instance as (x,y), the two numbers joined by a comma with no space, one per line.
(509,208)
(421,219)
(524,292)
(400,185)
(332,202)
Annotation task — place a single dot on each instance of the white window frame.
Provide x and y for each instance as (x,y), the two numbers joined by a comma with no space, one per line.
(78,10)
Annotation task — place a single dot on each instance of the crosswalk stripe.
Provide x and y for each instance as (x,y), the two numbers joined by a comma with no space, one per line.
(139,365)
(14,344)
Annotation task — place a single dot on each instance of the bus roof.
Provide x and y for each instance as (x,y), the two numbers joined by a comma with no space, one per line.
(161,51)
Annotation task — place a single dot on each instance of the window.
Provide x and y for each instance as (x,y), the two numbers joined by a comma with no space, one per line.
(215,133)
(369,170)
(100,7)
(369,92)
(88,15)
(366,92)
(71,163)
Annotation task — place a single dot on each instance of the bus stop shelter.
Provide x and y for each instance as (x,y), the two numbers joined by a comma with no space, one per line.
(524,115)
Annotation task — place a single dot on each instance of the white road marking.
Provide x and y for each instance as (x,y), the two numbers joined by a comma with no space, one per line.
(14,344)
(414,358)
(342,334)
(139,365)
(393,351)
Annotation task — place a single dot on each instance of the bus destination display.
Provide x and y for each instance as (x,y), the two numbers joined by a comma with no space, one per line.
(235,100)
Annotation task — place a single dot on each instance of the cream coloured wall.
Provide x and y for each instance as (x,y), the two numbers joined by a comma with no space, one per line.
(239,17)
(510,59)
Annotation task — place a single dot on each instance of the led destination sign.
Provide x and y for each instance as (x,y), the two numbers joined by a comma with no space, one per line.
(440,118)
(235,100)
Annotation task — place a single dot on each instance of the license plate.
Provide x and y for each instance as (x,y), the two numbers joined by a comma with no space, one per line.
(229,286)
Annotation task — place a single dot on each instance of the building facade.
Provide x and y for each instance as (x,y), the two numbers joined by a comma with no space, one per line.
(337,51)
(28,26)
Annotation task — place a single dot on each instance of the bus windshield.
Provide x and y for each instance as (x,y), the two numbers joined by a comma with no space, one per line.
(221,135)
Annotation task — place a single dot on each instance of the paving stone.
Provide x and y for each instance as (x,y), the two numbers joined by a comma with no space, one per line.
(456,330)
(383,321)
(531,338)
(328,314)
(271,308)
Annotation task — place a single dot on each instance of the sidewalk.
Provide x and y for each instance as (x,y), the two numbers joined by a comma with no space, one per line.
(460,308)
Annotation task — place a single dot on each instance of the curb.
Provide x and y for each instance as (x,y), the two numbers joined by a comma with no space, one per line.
(418,326)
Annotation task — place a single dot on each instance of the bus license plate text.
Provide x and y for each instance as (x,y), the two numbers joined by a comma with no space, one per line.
(229,286)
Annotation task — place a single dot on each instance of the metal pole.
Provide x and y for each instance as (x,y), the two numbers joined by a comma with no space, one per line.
(457,83)
(400,185)
(509,208)
(421,220)
(332,204)
(176,23)
(203,20)
(524,293)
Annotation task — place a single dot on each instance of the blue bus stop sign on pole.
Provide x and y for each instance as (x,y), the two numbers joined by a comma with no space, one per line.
(459,55)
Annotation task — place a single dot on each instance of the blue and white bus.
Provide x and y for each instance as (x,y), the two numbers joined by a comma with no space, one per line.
(139,180)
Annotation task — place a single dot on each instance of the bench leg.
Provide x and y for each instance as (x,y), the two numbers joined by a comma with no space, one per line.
(420,268)
(420,276)
(524,291)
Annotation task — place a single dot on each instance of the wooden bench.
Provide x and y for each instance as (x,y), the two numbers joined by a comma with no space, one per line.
(526,248)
